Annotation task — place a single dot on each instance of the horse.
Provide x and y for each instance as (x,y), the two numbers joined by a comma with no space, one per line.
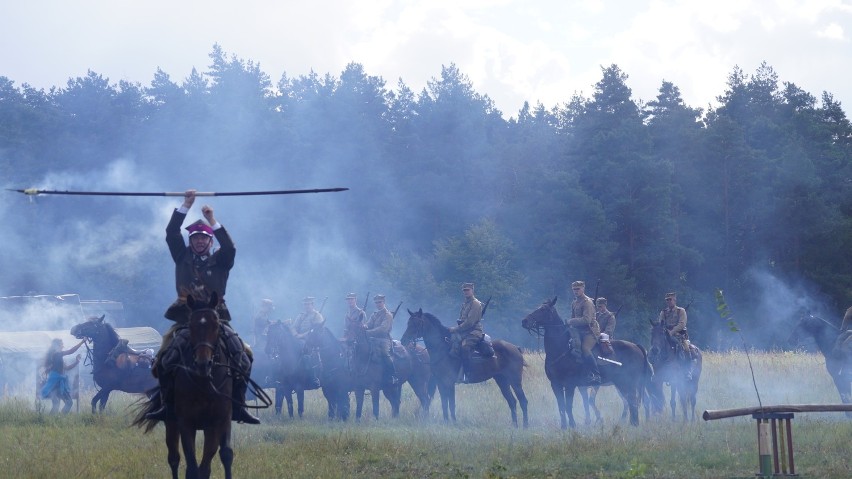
(566,374)
(334,376)
(107,370)
(506,366)
(825,335)
(368,374)
(670,369)
(202,396)
(281,367)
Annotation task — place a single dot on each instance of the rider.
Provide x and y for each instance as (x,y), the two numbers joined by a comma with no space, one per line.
(307,321)
(606,323)
(467,334)
(200,271)
(354,318)
(673,317)
(584,329)
(378,330)
(262,319)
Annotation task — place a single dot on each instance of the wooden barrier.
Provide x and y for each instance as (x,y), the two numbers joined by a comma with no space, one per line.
(773,428)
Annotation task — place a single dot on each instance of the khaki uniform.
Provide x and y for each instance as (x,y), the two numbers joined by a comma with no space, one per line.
(307,321)
(606,322)
(583,323)
(354,318)
(378,330)
(469,331)
(674,319)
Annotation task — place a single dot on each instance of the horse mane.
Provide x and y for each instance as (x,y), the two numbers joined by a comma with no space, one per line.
(111,333)
(435,321)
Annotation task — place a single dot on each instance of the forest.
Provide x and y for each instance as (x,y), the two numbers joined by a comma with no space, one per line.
(635,197)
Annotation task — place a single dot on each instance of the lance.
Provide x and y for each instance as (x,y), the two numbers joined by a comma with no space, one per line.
(36,192)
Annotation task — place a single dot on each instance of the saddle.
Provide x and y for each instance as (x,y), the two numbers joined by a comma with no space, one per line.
(125,357)
(483,349)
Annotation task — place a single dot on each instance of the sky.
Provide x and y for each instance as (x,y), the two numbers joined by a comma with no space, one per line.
(511,50)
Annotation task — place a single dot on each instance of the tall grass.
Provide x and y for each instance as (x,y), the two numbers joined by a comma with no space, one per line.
(481,444)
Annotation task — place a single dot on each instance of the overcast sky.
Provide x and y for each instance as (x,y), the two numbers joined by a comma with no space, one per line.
(512,50)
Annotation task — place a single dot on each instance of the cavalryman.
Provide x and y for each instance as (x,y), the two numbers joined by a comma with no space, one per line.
(200,271)
(584,329)
(355,317)
(605,318)
(308,320)
(673,317)
(262,319)
(467,334)
(378,330)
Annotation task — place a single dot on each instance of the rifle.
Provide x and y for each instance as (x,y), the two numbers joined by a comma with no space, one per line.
(396,310)
(365,302)
(595,299)
(323,304)
(485,308)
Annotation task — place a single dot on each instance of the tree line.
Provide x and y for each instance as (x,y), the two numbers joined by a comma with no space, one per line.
(636,198)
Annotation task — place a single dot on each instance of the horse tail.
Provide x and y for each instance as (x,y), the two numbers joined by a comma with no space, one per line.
(142,407)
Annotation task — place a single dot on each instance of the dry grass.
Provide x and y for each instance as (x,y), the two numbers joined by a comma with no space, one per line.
(481,444)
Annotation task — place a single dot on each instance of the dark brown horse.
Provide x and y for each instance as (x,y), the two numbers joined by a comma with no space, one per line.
(672,370)
(825,335)
(136,378)
(280,363)
(334,376)
(506,366)
(202,396)
(367,375)
(566,374)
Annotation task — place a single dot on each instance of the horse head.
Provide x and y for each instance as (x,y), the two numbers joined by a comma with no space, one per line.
(822,331)
(661,344)
(542,317)
(203,333)
(92,328)
(414,327)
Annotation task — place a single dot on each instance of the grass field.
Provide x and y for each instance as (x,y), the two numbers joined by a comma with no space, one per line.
(481,444)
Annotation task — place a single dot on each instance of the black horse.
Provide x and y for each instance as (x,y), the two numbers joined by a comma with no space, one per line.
(825,335)
(506,366)
(108,375)
(279,367)
(335,378)
(669,368)
(202,395)
(566,374)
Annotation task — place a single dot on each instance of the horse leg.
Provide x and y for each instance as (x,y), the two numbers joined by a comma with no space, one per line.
(211,445)
(359,403)
(172,444)
(593,403)
(451,401)
(559,392)
(95,399)
(374,396)
(584,394)
(522,399)
(569,405)
(187,442)
(394,398)
(104,397)
(226,453)
(506,390)
(300,398)
(289,396)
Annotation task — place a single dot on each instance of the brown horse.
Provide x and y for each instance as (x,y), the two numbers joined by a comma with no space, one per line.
(367,375)
(506,366)
(566,374)
(202,395)
(825,335)
(672,370)
(106,372)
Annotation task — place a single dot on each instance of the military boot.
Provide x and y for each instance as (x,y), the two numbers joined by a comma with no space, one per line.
(163,401)
(594,373)
(239,412)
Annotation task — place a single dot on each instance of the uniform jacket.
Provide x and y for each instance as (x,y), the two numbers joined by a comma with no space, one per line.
(354,317)
(380,324)
(674,319)
(583,316)
(470,318)
(606,322)
(308,321)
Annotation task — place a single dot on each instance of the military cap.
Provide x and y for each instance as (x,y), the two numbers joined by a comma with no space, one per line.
(351,296)
(467,285)
(601,300)
(671,295)
(266,301)
(578,284)
(379,297)
(308,299)
(200,227)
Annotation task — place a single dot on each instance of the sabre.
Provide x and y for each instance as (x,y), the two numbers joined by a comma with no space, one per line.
(610,361)
(36,192)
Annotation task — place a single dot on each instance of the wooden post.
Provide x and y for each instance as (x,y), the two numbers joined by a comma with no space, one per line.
(775,461)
